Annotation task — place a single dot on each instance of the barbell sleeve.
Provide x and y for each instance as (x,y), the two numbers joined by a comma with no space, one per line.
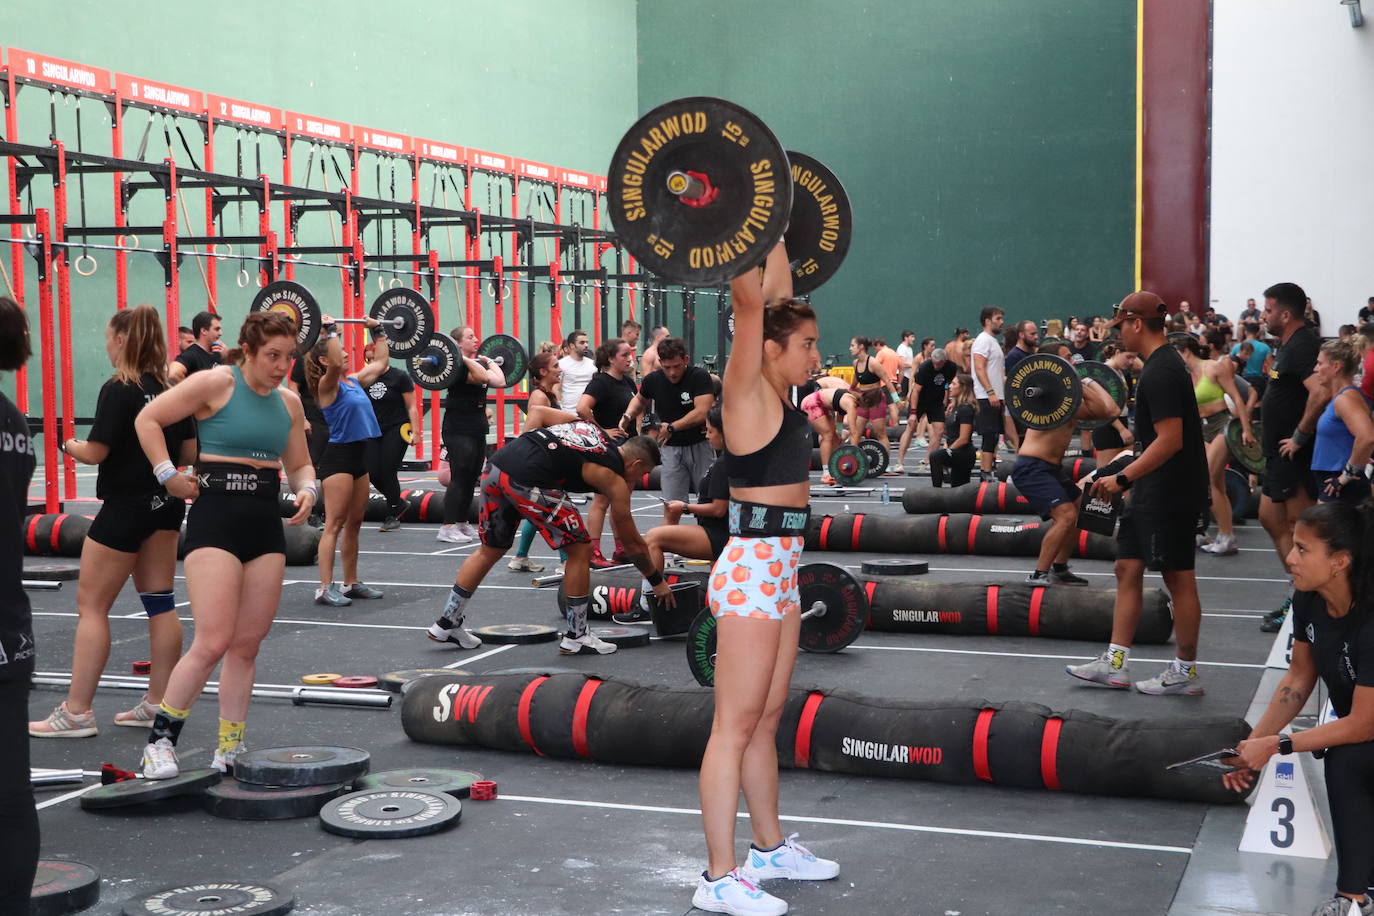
(387,322)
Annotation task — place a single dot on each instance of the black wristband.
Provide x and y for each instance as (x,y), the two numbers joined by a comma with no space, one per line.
(1285,744)
(655,579)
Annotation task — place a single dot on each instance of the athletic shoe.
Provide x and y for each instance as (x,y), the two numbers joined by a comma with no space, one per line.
(63,723)
(1273,621)
(1102,670)
(558,570)
(468,530)
(586,644)
(1039,579)
(638,615)
(525,564)
(921,443)
(391,523)
(362,590)
(1172,682)
(896,469)
(224,761)
(160,760)
(598,561)
(450,534)
(460,636)
(315,521)
(141,716)
(1344,906)
(1067,577)
(790,860)
(331,596)
(1223,545)
(737,895)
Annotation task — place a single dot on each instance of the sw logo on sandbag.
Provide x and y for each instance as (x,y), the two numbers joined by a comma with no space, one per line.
(891,753)
(456,699)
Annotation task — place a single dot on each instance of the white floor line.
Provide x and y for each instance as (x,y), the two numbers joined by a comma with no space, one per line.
(65,796)
(935,649)
(469,659)
(1255,616)
(846,822)
(1082,572)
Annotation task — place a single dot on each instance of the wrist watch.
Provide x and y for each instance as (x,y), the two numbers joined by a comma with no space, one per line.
(669,428)
(1123,481)
(1285,744)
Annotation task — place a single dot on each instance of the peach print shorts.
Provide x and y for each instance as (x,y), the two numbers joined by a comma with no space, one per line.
(756,577)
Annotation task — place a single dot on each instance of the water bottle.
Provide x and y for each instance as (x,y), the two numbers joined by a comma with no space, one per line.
(887,495)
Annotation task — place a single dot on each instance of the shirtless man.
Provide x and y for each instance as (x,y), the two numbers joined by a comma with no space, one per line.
(649,361)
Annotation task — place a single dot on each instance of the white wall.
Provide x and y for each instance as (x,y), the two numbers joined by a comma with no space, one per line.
(1292,150)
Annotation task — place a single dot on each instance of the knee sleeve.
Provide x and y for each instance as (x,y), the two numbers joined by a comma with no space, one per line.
(155,603)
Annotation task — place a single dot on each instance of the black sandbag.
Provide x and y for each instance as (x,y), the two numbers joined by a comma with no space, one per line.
(954,741)
(985,535)
(1078,468)
(57,534)
(1016,609)
(651,480)
(982,498)
(616,591)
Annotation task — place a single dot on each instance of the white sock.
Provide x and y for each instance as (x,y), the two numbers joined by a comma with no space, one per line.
(1115,652)
(1183,667)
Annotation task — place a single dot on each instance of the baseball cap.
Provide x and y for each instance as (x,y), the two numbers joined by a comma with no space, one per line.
(1139,304)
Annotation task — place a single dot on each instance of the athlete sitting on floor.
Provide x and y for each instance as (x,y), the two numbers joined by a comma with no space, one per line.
(1040,477)
(530,478)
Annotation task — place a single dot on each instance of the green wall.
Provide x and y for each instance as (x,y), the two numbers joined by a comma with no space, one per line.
(988,147)
(547,81)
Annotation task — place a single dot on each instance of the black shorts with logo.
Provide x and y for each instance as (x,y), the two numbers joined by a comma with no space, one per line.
(1164,540)
(125,522)
(1283,476)
(245,520)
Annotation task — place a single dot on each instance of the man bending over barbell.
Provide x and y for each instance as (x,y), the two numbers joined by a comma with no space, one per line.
(530,478)
(1040,477)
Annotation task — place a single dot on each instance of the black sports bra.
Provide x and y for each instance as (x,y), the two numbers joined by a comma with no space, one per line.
(786,459)
(866,376)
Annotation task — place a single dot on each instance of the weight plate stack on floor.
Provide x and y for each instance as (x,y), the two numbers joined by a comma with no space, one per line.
(61,886)
(894,567)
(622,637)
(246,801)
(213,898)
(389,814)
(141,791)
(396,681)
(306,765)
(518,634)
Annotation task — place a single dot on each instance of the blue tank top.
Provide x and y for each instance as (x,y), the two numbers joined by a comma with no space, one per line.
(351,416)
(250,425)
(1334,440)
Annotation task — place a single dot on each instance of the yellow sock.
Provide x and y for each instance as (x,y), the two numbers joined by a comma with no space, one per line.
(230,734)
(173,712)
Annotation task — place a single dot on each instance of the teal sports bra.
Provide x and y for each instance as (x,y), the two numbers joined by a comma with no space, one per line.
(250,425)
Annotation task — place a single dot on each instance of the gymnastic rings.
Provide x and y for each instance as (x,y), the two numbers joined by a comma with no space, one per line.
(243,278)
(504,292)
(395,282)
(228,251)
(121,241)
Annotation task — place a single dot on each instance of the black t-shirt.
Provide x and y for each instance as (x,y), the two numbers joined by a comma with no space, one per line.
(612,396)
(553,457)
(1165,390)
(196,359)
(1342,646)
(388,398)
(465,405)
(961,414)
(673,402)
(1285,396)
(309,406)
(714,485)
(1085,352)
(934,383)
(16,469)
(126,471)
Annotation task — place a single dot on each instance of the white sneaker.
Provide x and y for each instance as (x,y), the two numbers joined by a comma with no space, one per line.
(524,564)
(224,761)
(1223,545)
(468,530)
(141,716)
(586,644)
(460,636)
(160,760)
(450,534)
(921,443)
(736,894)
(896,469)
(790,860)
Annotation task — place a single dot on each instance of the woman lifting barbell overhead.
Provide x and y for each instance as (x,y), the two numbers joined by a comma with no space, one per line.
(464,433)
(343,468)
(753,591)
(235,546)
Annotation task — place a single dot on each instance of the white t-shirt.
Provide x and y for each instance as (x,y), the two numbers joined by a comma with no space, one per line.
(905,354)
(987,346)
(576,374)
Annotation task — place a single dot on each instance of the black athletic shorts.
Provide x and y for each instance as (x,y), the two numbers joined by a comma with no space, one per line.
(719,536)
(344,458)
(248,525)
(988,424)
(1107,437)
(124,523)
(1164,540)
(1044,485)
(506,501)
(1283,476)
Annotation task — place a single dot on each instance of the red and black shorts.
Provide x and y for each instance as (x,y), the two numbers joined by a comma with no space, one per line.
(505,502)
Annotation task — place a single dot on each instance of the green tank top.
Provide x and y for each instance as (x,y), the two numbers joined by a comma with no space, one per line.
(250,425)
(1207,391)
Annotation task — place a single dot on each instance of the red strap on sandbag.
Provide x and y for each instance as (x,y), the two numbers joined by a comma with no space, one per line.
(1082,543)
(868,590)
(579,721)
(56,527)
(854,535)
(825,531)
(973,530)
(801,754)
(980,744)
(991,605)
(424,505)
(31,533)
(1049,753)
(978,500)
(523,713)
(1077,465)
(1037,596)
(944,519)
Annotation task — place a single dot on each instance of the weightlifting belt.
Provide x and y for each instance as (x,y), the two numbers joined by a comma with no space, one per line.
(759,520)
(264,483)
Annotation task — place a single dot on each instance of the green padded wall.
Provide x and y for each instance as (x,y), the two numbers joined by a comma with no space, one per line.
(988,146)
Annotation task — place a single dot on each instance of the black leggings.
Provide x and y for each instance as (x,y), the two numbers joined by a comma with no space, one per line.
(1350,793)
(958,467)
(466,452)
(384,455)
(18,816)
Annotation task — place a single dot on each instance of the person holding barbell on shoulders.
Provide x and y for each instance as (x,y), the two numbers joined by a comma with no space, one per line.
(464,432)
(530,478)
(343,468)
(1168,491)
(398,417)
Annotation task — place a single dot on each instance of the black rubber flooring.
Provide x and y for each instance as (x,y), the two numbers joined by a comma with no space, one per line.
(570,837)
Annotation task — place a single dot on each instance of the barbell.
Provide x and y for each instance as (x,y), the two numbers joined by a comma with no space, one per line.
(404,312)
(1044,391)
(435,366)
